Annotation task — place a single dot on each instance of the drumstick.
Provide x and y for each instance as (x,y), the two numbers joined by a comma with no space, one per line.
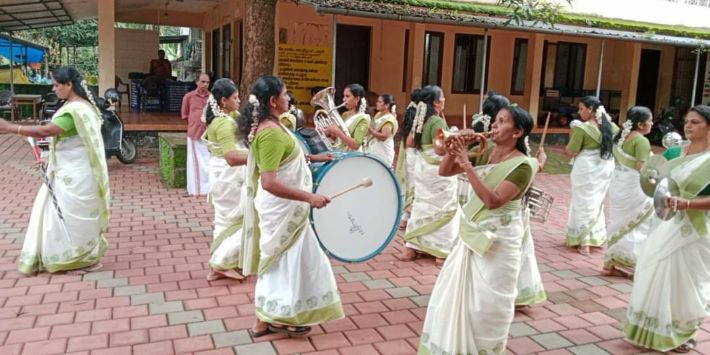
(464,116)
(366,182)
(544,132)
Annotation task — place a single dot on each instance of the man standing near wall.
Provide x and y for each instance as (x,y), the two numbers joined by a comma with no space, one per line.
(193,105)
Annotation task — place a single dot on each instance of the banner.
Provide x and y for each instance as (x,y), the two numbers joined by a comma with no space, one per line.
(304,68)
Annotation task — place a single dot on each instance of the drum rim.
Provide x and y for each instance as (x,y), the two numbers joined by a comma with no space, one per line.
(303,140)
(395,227)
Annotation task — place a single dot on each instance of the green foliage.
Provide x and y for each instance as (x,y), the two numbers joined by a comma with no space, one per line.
(544,11)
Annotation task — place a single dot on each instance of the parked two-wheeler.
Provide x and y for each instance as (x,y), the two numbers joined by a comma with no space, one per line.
(115,141)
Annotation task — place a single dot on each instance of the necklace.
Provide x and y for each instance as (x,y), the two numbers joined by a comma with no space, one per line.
(490,161)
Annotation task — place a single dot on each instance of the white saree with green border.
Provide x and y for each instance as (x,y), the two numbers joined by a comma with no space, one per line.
(295,284)
(79,177)
(432,227)
(406,160)
(351,123)
(672,280)
(630,212)
(382,149)
(226,193)
(530,287)
(473,301)
(590,179)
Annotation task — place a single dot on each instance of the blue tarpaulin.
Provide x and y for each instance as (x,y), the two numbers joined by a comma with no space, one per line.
(22,51)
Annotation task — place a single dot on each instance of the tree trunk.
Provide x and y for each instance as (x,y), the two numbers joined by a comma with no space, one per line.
(259,45)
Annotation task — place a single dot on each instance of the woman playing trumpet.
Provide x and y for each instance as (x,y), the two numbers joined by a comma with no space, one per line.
(431,228)
(473,301)
(356,119)
(672,279)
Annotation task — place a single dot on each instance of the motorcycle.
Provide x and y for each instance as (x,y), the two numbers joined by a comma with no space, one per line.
(115,142)
(664,125)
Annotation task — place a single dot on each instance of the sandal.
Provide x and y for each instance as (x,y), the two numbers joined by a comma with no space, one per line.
(584,250)
(685,347)
(85,270)
(221,274)
(260,333)
(291,330)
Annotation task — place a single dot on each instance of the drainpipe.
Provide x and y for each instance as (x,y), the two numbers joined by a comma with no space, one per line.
(483,69)
(695,78)
(599,73)
(335,45)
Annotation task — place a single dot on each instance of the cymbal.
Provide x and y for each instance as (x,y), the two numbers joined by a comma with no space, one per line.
(665,188)
(655,169)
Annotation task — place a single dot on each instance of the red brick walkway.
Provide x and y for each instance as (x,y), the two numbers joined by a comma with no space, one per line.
(152,297)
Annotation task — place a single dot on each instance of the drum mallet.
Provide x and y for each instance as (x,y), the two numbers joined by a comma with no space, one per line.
(544,133)
(366,182)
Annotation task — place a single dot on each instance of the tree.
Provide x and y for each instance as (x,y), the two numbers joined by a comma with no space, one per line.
(259,45)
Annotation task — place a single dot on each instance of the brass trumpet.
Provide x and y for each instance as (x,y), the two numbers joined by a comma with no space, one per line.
(442,140)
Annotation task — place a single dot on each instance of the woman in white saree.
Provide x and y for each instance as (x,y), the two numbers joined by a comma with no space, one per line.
(227,173)
(473,301)
(78,175)
(406,158)
(630,210)
(672,279)
(590,145)
(380,139)
(295,287)
(432,226)
(356,120)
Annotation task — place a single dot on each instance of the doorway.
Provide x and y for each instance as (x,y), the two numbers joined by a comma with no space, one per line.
(352,57)
(648,78)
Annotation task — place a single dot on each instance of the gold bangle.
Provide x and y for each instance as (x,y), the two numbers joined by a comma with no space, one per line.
(19,128)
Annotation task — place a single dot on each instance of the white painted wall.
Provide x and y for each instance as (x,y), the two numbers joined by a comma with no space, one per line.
(134,50)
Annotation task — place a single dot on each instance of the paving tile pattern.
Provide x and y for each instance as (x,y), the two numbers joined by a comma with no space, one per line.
(152,297)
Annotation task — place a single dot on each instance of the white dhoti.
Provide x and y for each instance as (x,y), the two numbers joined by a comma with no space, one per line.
(197,167)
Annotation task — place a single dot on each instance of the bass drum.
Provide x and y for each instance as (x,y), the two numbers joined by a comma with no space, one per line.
(358,225)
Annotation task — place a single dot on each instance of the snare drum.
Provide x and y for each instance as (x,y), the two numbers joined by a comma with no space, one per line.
(358,225)
(539,202)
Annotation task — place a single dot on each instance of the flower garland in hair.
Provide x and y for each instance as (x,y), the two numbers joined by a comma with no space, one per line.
(216,110)
(90,95)
(254,117)
(393,109)
(292,109)
(526,141)
(628,125)
(419,117)
(483,118)
(601,112)
(363,105)
(411,104)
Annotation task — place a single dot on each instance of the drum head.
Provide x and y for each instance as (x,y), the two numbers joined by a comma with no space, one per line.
(358,225)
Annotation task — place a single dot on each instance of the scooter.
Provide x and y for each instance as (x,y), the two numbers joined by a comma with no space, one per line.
(115,142)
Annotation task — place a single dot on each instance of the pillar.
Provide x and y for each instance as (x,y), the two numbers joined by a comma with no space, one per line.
(107,44)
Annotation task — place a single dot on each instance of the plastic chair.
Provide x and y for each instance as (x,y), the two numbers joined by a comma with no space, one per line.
(126,92)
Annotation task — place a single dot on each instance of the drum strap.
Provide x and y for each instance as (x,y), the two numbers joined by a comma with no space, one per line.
(476,238)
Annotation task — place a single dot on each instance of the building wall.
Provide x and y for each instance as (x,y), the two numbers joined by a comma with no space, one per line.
(137,48)
(300,24)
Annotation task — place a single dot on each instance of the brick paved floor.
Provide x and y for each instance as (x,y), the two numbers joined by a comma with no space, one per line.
(152,296)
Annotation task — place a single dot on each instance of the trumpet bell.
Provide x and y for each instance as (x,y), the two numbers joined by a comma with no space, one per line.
(655,169)
(665,188)
(442,138)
